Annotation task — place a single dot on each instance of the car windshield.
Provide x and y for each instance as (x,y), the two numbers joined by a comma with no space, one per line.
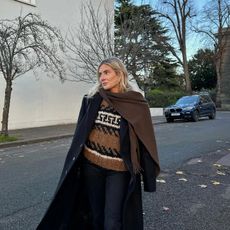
(187,100)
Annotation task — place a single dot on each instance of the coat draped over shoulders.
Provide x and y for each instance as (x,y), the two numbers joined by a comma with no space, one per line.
(69,207)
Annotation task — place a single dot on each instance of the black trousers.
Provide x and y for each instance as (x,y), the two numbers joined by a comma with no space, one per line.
(106,190)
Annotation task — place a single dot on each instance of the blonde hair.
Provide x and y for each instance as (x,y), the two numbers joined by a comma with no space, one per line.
(117,65)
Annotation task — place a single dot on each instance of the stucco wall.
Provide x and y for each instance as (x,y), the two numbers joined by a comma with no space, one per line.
(41,101)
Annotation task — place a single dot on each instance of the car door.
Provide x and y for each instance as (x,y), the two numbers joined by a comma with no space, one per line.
(204,106)
(209,105)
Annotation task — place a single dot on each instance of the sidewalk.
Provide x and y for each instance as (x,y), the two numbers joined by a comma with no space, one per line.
(47,133)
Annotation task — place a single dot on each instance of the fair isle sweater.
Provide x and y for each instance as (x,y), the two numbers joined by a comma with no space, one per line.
(103,144)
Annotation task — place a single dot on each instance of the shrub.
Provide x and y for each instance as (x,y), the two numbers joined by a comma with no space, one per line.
(163,97)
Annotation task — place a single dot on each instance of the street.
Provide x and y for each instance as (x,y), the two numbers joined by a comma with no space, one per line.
(193,192)
(181,140)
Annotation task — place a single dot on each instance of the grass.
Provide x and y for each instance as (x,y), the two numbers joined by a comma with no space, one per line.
(4,138)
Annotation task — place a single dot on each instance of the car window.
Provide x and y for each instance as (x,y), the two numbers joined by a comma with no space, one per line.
(205,99)
(202,100)
(208,99)
(187,100)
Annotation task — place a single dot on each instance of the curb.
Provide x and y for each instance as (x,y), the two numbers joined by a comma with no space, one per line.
(33,141)
(42,139)
(158,123)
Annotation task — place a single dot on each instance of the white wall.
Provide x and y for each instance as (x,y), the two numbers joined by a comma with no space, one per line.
(44,101)
(156,112)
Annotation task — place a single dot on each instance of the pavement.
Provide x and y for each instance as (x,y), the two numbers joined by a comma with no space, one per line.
(47,133)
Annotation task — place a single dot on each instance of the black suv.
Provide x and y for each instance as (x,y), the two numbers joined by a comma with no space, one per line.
(191,108)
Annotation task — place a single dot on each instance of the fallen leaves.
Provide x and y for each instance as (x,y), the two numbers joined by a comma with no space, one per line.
(203,185)
(214,182)
(179,172)
(165,208)
(217,165)
(220,173)
(161,181)
(183,179)
(183,176)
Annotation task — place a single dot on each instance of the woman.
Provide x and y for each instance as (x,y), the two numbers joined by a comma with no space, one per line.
(113,145)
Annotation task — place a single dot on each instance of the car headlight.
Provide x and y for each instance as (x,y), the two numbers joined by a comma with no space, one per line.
(188,108)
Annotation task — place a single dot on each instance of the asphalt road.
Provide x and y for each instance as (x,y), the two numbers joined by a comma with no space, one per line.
(180,140)
(29,174)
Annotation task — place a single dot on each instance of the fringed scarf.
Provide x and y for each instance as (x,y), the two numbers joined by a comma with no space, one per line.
(132,106)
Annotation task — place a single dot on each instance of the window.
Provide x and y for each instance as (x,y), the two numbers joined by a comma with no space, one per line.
(29,2)
(204,99)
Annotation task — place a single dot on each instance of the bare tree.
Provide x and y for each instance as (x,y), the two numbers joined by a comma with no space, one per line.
(178,13)
(26,43)
(91,42)
(136,39)
(213,24)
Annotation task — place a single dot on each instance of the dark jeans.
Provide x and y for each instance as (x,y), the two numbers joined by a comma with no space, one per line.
(106,190)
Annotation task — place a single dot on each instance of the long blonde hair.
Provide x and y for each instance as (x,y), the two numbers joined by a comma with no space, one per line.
(117,65)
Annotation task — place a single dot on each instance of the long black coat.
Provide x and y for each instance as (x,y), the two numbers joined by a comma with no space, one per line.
(69,207)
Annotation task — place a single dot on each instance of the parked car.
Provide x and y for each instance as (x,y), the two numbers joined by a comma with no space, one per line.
(191,108)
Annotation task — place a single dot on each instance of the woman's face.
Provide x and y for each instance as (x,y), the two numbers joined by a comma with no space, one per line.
(109,79)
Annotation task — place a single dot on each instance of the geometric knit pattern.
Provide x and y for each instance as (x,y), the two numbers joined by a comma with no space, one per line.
(103,144)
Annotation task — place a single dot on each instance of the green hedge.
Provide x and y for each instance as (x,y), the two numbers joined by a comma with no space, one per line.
(163,98)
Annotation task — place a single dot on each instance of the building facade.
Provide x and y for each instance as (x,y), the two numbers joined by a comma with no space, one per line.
(40,100)
(225,81)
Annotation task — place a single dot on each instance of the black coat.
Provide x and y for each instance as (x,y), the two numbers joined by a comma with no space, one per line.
(69,207)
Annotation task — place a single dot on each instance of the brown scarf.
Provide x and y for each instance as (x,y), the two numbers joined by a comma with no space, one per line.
(133,107)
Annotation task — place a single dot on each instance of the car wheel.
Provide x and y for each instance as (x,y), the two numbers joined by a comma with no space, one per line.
(212,115)
(169,120)
(195,116)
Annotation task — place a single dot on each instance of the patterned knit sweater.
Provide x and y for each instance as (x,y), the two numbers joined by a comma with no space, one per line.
(103,144)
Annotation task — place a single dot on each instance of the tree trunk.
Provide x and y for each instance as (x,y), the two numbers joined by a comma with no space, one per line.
(218,84)
(186,73)
(6,108)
